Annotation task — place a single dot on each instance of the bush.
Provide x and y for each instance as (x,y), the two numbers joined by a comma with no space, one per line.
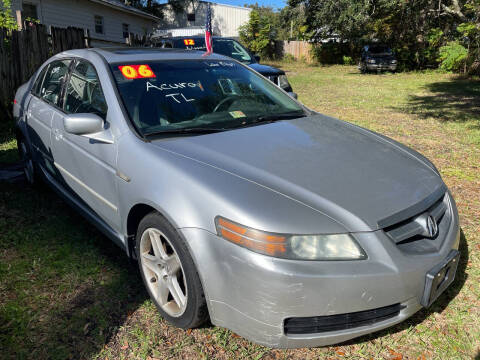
(453,56)
(259,35)
(347,60)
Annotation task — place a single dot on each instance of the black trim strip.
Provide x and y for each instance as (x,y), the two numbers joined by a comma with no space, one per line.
(413,210)
(319,324)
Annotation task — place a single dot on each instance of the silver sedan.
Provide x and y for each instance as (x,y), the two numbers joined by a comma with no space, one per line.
(240,204)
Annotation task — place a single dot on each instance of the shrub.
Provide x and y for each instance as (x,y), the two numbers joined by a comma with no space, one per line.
(453,56)
(258,35)
(347,60)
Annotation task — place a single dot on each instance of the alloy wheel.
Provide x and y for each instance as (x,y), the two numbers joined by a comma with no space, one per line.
(163,272)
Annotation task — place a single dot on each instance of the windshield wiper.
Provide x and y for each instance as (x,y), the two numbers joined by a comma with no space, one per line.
(185,131)
(278,117)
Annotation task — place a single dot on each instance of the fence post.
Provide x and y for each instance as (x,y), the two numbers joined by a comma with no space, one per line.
(18,14)
(87,38)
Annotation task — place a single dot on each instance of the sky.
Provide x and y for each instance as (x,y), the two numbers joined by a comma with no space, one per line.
(272,3)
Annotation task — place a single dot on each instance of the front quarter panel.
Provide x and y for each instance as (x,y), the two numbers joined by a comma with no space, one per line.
(190,194)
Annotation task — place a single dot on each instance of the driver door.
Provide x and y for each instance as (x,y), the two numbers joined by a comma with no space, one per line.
(87,166)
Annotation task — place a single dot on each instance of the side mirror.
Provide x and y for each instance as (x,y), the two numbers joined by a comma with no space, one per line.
(257,57)
(82,124)
(293,95)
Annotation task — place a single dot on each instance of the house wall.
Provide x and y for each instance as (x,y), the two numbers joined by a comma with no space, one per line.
(226,19)
(80,13)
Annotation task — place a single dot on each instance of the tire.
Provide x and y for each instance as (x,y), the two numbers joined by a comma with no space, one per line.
(29,168)
(169,273)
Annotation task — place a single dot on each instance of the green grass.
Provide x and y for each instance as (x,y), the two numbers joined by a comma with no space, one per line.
(67,292)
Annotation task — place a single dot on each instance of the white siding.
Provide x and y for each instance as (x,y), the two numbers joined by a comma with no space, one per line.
(226,19)
(81,13)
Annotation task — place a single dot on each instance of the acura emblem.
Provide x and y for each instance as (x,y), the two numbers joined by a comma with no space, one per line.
(432,227)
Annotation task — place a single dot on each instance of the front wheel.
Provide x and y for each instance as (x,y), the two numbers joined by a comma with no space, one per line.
(169,273)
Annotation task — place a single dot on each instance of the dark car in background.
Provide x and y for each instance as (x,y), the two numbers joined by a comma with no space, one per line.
(231,48)
(377,58)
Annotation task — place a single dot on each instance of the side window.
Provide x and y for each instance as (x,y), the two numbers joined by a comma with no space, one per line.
(53,82)
(84,93)
(38,82)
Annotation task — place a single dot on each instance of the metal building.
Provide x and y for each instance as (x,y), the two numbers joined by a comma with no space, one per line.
(226,19)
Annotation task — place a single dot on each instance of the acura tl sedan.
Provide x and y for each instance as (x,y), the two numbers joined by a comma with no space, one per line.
(240,204)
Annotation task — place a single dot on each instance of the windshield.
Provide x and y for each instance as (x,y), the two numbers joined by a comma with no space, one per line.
(227,47)
(378,49)
(165,96)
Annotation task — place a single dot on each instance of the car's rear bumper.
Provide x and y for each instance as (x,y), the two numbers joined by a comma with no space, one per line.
(253,294)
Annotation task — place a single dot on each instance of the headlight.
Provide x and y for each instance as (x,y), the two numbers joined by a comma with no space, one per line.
(394,61)
(283,81)
(296,247)
(371,61)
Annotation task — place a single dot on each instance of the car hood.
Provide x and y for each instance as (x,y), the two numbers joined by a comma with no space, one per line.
(353,175)
(266,70)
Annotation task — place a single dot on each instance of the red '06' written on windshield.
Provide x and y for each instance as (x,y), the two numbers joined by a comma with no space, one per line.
(137,71)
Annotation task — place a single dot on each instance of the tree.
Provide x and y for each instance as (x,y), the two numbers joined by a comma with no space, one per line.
(7,20)
(411,28)
(259,33)
(294,23)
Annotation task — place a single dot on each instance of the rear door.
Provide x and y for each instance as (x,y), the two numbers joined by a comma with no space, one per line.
(46,98)
(88,166)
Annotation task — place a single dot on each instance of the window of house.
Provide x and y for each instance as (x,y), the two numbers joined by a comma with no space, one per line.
(191,17)
(126,30)
(29,11)
(99,28)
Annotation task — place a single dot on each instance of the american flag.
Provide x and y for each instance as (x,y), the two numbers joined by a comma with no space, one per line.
(208,31)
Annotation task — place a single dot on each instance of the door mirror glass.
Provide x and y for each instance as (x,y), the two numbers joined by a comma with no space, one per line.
(82,124)
(293,95)
(257,57)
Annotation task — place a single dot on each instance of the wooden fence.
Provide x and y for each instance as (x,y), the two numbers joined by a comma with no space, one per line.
(23,51)
(300,50)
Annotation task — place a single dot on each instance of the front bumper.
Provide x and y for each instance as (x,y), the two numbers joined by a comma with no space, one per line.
(381,67)
(253,294)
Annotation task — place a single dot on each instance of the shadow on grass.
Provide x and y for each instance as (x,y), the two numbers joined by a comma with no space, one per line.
(65,288)
(457,100)
(437,307)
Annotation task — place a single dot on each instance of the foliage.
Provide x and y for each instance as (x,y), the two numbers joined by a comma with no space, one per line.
(453,56)
(7,20)
(347,60)
(415,30)
(294,27)
(259,33)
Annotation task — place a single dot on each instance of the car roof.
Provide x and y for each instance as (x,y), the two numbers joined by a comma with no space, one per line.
(192,37)
(133,54)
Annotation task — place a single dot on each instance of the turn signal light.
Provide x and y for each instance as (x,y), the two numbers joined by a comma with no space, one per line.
(255,240)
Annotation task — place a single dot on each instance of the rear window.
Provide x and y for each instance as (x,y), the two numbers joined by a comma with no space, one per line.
(227,47)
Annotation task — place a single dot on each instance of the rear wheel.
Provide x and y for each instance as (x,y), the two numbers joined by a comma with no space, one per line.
(169,273)
(27,161)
